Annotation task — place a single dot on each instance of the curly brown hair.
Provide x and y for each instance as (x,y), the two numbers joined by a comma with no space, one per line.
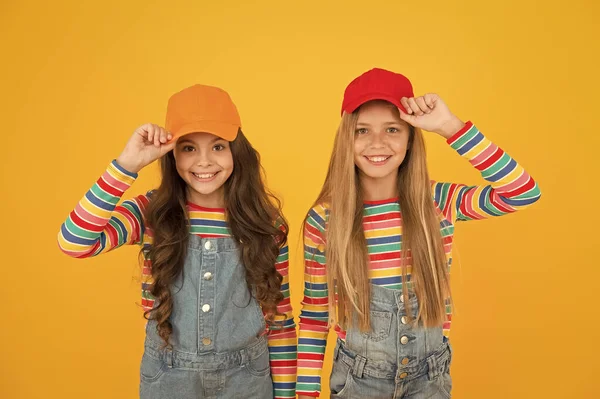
(254,217)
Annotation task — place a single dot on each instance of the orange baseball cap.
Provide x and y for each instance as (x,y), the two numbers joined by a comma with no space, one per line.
(201,108)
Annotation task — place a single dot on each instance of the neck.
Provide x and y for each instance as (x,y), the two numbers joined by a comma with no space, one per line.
(216,199)
(377,189)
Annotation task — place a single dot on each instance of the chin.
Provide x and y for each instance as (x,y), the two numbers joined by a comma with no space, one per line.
(376,174)
(207,190)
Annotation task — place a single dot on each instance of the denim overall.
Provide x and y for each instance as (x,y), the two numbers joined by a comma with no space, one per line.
(218,346)
(396,359)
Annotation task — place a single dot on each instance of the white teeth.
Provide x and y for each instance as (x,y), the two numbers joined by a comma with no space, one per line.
(377,159)
(204,175)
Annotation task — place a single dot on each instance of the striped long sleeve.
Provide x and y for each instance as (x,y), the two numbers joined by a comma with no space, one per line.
(282,338)
(314,316)
(511,188)
(97,225)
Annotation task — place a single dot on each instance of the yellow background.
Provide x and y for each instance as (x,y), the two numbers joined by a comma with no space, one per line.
(78,78)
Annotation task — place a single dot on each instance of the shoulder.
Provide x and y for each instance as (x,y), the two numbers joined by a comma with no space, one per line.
(317,216)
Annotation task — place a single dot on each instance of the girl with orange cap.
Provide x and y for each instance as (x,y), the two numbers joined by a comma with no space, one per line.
(215,258)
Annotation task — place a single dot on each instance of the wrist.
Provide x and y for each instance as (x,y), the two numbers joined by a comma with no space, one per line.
(450,128)
(128,165)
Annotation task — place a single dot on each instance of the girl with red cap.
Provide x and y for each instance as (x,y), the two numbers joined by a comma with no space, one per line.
(378,242)
(215,259)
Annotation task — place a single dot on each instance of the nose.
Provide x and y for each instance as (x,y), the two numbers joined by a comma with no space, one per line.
(203,158)
(377,140)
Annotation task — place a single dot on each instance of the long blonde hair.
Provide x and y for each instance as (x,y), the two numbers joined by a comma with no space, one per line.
(347,257)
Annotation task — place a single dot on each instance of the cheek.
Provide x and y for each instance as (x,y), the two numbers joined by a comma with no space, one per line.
(226,161)
(400,145)
(183,164)
(182,161)
(359,147)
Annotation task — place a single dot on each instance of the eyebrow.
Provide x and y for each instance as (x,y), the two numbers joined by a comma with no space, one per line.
(385,123)
(217,138)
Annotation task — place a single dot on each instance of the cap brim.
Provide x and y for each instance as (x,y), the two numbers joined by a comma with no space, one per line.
(351,107)
(226,131)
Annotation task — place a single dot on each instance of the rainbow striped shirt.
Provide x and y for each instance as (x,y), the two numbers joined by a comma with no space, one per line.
(511,188)
(98,225)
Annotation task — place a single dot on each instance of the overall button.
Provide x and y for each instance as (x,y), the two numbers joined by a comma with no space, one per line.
(208,245)
(208,276)
(403,375)
(403,340)
(206,341)
(404,361)
(403,320)
(205,307)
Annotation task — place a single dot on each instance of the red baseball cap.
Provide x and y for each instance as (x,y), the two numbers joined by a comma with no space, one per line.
(376,84)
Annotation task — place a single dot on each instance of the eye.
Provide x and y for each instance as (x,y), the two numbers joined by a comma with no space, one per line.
(218,147)
(392,130)
(362,130)
(188,148)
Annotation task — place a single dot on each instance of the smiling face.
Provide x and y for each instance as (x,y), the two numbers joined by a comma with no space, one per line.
(204,161)
(381,142)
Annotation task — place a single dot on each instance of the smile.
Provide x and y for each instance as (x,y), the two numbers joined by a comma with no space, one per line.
(204,177)
(378,159)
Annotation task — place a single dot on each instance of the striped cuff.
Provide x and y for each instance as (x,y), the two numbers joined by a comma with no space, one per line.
(123,171)
(456,138)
